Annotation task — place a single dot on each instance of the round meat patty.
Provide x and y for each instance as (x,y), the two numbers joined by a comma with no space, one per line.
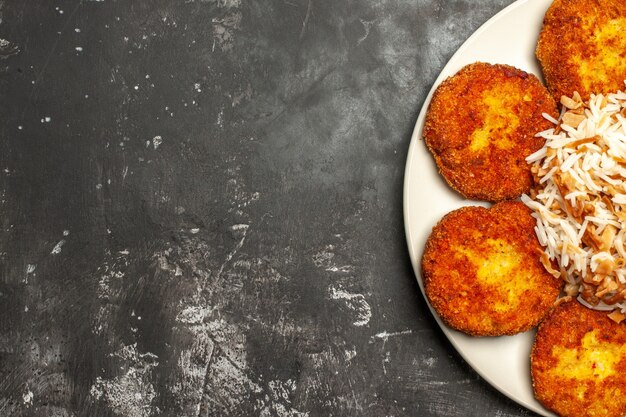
(582,47)
(481,125)
(482,272)
(578,363)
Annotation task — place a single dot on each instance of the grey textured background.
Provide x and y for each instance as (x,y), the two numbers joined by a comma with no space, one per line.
(201,209)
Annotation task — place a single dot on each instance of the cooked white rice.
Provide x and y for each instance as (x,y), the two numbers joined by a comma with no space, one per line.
(580,200)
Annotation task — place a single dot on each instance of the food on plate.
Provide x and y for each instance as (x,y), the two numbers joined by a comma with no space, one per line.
(499,271)
(482,274)
(481,124)
(582,46)
(578,363)
(580,200)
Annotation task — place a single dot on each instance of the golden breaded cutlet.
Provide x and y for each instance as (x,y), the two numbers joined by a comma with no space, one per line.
(482,272)
(481,125)
(578,363)
(582,47)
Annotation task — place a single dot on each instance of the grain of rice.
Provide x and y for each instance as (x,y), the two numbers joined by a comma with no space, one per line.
(541,153)
(570,161)
(548,175)
(619,199)
(550,118)
(600,306)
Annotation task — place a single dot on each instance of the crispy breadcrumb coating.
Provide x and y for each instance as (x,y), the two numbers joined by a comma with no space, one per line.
(481,124)
(582,47)
(578,363)
(482,272)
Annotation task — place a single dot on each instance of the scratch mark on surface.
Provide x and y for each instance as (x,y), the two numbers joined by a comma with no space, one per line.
(224,29)
(344,268)
(324,259)
(429,362)
(384,335)
(229,4)
(356,303)
(356,402)
(367,25)
(30,270)
(444,383)
(57,248)
(306,19)
(350,354)
(386,361)
(8,49)
(232,253)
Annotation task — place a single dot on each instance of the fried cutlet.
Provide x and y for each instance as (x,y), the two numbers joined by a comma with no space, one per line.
(481,124)
(482,272)
(582,47)
(578,363)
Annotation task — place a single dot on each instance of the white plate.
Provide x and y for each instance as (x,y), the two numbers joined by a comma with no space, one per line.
(510,38)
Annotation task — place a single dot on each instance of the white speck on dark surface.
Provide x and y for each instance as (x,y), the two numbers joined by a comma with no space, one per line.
(58,247)
(27,398)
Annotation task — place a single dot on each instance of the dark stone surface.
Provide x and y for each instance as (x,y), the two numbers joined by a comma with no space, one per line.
(201,209)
